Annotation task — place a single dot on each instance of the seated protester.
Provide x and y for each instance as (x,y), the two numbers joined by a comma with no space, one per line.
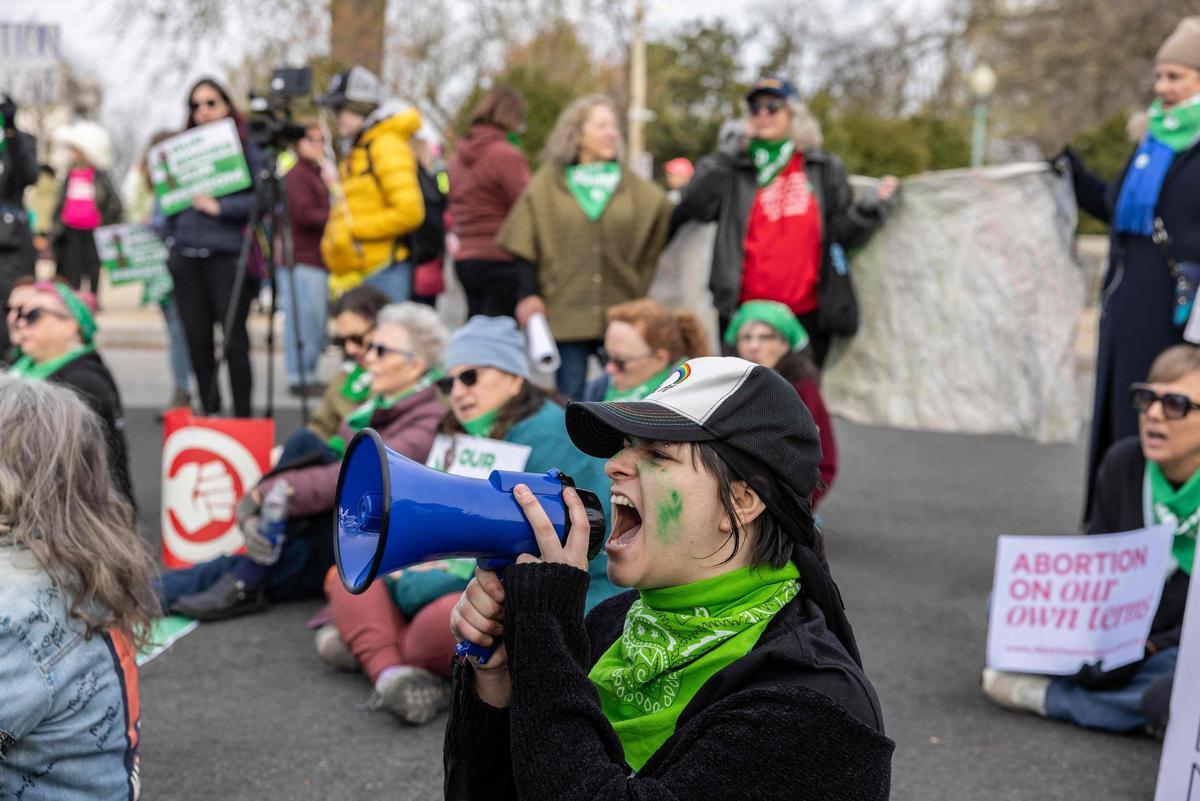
(404,356)
(644,342)
(54,329)
(353,321)
(21,290)
(766,332)
(728,671)
(1143,481)
(75,601)
(398,630)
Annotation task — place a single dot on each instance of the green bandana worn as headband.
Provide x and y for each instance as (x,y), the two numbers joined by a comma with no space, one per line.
(774,314)
(77,309)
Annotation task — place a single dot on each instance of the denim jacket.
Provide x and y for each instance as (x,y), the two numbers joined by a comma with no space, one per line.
(69,723)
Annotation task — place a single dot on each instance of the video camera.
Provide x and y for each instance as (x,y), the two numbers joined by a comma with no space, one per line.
(271,123)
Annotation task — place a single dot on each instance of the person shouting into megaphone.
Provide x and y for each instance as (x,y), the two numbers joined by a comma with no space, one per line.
(729,670)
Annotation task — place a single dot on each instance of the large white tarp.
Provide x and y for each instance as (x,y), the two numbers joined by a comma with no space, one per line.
(970,299)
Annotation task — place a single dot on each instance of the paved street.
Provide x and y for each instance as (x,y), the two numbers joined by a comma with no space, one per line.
(244,710)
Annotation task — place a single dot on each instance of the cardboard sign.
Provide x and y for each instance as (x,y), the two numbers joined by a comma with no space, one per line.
(208,465)
(1059,603)
(1179,767)
(131,253)
(206,159)
(475,457)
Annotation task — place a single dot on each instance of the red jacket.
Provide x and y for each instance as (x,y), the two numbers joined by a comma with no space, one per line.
(487,175)
(810,392)
(308,209)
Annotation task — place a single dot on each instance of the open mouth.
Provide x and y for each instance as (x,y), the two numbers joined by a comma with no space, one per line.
(1155,436)
(627,523)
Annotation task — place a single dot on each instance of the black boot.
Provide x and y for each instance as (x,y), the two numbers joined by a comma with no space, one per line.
(227,598)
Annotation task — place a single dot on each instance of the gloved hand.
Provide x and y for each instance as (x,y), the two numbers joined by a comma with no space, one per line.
(8,110)
(258,547)
(1067,158)
(1095,677)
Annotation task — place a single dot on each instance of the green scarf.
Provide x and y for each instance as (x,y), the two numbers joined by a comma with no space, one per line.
(593,185)
(1178,507)
(357,386)
(770,157)
(641,390)
(481,426)
(26,367)
(675,639)
(360,418)
(1178,128)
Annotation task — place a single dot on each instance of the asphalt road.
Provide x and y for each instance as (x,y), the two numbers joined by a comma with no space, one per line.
(244,710)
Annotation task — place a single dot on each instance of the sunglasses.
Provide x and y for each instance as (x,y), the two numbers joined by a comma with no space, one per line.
(767,106)
(31,316)
(1175,405)
(467,377)
(381,350)
(357,340)
(620,364)
(212,102)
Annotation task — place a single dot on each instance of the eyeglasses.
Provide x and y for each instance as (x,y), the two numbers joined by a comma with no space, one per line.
(357,340)
(621,363)
(1175,405)
(31,316)
(382,350)
(467,377)
(212,102)
(766,106)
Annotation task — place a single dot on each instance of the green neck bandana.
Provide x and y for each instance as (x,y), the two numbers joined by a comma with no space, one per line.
(675,639)
(1178,128)
(641,390)
(25,367)
(593,185)
(357,386)
(360,418)
(774,314)
(1178,507)
(770,157)
(481,426)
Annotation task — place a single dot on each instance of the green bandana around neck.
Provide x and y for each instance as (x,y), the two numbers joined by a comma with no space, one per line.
(593,185)
(1179,508)
(357,386)
(675,639)
(481,426)
(772,313)
(643,389)
(1177,128)
(770,157)
(360,418)
(25,367)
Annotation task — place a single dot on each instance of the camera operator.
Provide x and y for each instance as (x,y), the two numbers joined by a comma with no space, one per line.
(18,169)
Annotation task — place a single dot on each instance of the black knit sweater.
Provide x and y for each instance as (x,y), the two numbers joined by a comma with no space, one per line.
(795,718)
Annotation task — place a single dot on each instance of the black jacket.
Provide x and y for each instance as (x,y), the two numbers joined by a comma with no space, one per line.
(723,190)
(195,231)
(794,718)
(1118,507)
(108,203)
(89,376)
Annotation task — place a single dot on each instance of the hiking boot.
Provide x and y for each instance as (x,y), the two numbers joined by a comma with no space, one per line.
(1023,692)
(179,399)
(332,650)
(228,597)
(414,695)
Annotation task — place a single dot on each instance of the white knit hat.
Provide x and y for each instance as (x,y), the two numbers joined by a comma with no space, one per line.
(90,139)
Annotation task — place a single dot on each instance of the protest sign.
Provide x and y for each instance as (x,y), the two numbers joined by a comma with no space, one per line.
(208,465)
(31,62)
(164,632)
(1059,603)
(206,159)
(475,457)
(131,253)
(1179,767)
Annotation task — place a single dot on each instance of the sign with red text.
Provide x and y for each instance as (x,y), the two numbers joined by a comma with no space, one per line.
(1179,768)
(1059,603)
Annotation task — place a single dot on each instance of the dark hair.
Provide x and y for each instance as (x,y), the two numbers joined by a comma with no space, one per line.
(524,404)
(234,114)
(363,300)
(798,366)
(500,107)
(773,544)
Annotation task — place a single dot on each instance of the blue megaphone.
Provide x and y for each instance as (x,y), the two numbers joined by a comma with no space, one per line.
(393,512)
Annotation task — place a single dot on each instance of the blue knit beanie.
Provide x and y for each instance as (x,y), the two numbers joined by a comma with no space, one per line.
(489,342)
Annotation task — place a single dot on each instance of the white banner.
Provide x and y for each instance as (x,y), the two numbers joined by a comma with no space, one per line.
(475,457)
(1179,769)
(1059,603)
(31,62)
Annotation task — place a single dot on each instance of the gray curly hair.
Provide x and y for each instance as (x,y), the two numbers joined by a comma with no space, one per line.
(425,329)
(562,146)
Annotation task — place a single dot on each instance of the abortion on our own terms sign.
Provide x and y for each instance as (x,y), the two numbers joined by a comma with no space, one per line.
(1179,768)
(1059,603)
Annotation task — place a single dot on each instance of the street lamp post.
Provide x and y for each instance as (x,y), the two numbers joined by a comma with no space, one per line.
(982,82)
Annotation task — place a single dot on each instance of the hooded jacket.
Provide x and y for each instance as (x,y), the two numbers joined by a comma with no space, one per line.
(379,203)
(201,234)
(487,175)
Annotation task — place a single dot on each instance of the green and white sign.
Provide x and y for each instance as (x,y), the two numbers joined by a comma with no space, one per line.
(131,253)
(475,457)
(206,159)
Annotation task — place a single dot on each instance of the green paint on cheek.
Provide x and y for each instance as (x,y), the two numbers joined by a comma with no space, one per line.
(670,515)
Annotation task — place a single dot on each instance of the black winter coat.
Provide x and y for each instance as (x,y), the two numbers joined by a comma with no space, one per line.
(194,231)
(795,718)
(1138,298)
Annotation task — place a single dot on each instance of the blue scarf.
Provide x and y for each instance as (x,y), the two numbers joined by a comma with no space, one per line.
(1139,190)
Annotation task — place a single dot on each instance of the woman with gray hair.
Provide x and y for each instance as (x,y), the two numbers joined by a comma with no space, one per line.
(784,211)
(404,358)
(591,227)
(75,601)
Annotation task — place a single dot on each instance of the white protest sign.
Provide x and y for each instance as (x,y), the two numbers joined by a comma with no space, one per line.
(1059,603)
(1179,768)
(475,457)
(130,253)
(31,62)
(207,158)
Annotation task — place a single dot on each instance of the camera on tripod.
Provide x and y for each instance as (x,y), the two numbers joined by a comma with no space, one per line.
(271,123)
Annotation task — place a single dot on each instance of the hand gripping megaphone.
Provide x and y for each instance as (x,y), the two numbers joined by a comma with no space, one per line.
(393,512)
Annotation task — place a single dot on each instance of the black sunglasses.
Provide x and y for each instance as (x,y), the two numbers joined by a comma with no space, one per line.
(354,339)
(769,106)
(210,103)
(467,377)
(1175,405)
(381,350)
(31,316)
(619,363)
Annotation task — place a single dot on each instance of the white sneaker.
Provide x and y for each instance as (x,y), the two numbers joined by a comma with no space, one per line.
(414,695)
(1023,692)
(332,650)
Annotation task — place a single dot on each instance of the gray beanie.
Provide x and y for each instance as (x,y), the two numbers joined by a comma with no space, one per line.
(489,342)
(1182,46)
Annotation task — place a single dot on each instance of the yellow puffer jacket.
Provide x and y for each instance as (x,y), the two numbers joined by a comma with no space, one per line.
(380,202)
